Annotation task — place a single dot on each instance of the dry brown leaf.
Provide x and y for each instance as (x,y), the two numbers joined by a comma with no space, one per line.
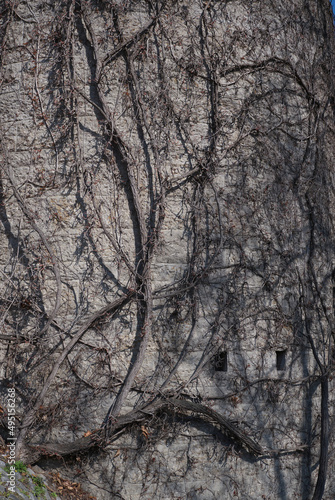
(144,432)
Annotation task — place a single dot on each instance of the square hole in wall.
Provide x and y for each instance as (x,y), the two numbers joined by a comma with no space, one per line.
(332,359)
(281,360)
(221,361)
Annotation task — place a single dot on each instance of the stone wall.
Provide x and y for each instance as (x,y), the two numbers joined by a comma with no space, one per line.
(176,156)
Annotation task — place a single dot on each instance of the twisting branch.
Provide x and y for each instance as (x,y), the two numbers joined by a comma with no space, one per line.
(123,46)
(96,438)
(143,263)
(30,415)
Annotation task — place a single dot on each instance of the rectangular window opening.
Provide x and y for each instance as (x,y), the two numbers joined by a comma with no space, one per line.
(221,361)
(281,360)
(332,360)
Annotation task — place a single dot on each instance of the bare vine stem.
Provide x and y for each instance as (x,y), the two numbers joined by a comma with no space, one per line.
(30,415)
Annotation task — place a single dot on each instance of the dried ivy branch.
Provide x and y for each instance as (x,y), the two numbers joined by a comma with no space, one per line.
(97,437)
(29,417)
(30,216)
(145,244)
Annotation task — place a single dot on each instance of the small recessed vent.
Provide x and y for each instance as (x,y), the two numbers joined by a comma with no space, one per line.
(332,360)
(281,360)
(221,361)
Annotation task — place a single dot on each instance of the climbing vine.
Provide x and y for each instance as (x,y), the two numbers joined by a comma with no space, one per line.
(166,210)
